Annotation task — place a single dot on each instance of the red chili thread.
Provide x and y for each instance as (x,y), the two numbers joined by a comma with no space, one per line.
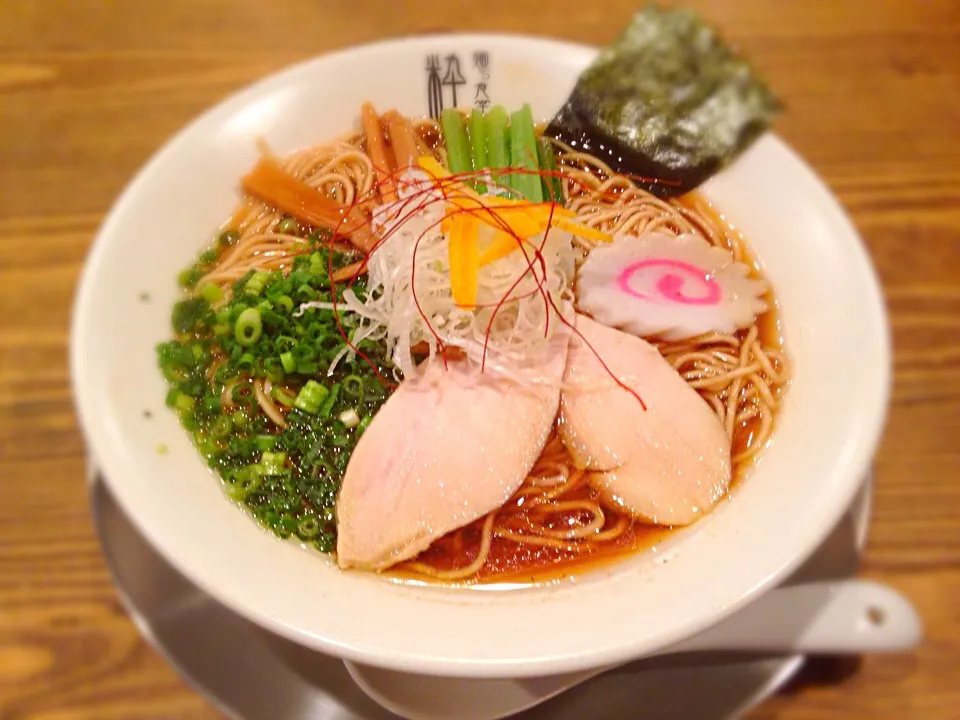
(455,179)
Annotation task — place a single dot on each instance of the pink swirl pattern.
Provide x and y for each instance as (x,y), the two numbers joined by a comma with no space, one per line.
(670,286)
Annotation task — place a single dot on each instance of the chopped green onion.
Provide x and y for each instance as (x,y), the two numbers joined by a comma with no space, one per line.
(242,280)
(364,423)
(330,344)
(318,332)
(311,395)
(210,292)
(330,401)
(306,293)
(350,418)
(248,327)
(288,478)
(317,262)
(285,302)
(207,447)
(193,386)
(287,226)
(281,397)
(221,426)
(188,277)
(308,528)
(254,286)
(228,237)
(188,314)
(265,442)
(353,387)
(308,368)
(246,481)
(174,353)
(172,395)
(184,402)
(272,462)
(284,343)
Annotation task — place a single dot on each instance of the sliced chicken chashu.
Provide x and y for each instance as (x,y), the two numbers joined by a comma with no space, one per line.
(444,450)
(667,464)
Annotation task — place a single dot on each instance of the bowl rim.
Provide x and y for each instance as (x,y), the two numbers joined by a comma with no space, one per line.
(866,435)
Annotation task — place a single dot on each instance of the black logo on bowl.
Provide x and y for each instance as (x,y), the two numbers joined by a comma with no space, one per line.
(453,78)
(434,86)
(481,61)
(445,76)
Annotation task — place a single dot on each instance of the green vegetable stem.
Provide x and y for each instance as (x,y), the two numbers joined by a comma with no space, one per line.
(455,139)
(523,154)
(498,148)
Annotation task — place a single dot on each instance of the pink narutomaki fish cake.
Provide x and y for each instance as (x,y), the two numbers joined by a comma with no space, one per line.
(668,464)
(658,285)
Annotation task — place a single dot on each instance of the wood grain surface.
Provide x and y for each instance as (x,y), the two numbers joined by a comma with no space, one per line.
(88,90)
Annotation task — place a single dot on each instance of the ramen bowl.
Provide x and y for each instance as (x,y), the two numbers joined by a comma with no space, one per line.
(832,320)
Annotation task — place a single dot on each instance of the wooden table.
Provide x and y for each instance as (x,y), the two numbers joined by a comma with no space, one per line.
(87,93)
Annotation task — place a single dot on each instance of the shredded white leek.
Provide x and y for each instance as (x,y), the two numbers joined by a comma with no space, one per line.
(408,299)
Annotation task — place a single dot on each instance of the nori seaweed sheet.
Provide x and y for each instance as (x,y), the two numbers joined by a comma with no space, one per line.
(668,102)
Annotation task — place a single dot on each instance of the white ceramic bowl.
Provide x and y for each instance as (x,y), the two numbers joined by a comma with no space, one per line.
(833,322)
